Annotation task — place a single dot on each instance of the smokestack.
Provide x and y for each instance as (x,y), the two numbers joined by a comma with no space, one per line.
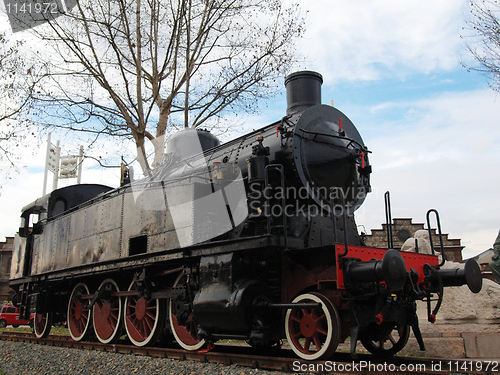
(303,89)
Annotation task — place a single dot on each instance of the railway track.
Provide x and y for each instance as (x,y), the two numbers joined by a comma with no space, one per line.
(280,360)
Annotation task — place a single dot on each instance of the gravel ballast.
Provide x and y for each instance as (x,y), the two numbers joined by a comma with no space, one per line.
(26,358)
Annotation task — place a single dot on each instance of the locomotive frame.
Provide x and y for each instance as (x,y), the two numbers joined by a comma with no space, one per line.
(154,259)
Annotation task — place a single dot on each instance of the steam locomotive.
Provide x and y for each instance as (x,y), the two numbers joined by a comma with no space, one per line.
(254,239)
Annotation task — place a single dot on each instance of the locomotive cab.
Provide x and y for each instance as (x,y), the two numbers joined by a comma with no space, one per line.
(35,216)
(32,217)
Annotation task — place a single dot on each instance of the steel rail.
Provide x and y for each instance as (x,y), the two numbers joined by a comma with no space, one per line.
(284,360)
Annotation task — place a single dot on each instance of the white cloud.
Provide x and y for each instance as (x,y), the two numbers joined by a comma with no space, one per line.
(367,40)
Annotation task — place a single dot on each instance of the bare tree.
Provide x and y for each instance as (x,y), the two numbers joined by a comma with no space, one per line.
(139,67)
(484,43)
(18,79)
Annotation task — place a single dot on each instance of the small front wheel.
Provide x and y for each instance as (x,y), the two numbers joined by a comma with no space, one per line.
(385,340)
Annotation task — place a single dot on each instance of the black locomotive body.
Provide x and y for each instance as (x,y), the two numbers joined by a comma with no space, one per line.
(254,239)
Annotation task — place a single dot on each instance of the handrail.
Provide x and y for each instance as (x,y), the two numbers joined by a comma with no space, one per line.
(432,210)
(388,220)
(315,134)
(344,220)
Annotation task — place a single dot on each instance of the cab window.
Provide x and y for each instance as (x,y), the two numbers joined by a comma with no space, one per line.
(30,223)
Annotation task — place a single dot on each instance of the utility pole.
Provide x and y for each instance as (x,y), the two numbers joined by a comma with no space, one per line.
(56,166)
(47,155)
(51,164)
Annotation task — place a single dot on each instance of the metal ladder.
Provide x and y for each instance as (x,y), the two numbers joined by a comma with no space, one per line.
(282,203)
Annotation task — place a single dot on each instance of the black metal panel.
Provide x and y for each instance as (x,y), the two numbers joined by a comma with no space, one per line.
(327,157)
(146,213)
(18,257)
(224,302)
(69,197)
(95,232)
(59,243)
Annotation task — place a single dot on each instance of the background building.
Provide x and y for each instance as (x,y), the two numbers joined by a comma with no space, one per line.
(6,249)
(484,259)
(402,229)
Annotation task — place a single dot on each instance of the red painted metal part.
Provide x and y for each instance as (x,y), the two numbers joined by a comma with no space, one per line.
(412,260)
(298,277)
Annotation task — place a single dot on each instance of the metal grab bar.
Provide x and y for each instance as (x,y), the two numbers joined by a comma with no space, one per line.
(388,220)
(432,210)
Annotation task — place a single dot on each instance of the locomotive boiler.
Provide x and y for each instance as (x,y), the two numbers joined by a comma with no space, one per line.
(254,239)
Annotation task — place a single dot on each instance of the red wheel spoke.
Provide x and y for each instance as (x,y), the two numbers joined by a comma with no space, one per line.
(307,344)
(322,331)
(319,318)
(317,342)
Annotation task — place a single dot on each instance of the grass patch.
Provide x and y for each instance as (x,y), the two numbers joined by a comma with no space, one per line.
(53,331)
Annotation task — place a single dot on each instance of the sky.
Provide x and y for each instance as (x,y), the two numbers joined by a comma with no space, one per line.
(394,68)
